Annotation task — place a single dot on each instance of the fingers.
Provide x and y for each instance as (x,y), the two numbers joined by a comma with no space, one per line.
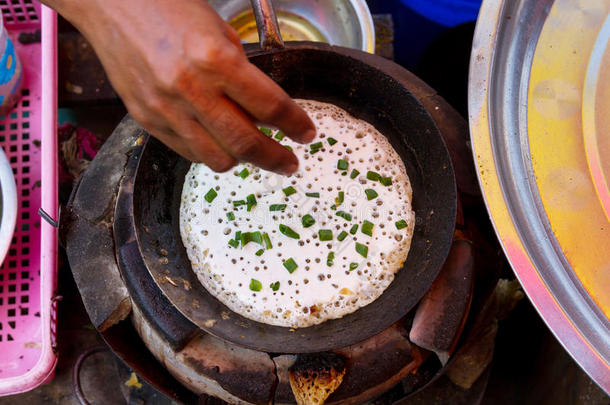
(196,144)
(238,137)
(165,118)
(268,103)
(233,36)
(187,138)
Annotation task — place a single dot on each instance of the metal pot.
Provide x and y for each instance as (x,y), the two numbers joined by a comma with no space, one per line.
(346,23)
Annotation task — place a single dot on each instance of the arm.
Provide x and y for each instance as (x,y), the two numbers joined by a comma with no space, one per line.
(183,75)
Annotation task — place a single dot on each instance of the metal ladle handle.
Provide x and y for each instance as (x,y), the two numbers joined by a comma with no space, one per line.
(267,25)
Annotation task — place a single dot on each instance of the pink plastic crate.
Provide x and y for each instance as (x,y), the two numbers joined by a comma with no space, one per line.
(28,273)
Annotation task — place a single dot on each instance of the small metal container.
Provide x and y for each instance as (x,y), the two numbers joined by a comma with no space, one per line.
(345,23)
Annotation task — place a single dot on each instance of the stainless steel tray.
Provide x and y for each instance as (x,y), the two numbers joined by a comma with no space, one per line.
(539,105)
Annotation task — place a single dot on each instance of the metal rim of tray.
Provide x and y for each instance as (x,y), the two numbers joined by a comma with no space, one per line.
(506,42)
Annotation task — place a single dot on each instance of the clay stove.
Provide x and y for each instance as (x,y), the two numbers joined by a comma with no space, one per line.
(172,354)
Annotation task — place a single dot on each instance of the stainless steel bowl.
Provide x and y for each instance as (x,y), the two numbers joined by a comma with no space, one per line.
(338,22)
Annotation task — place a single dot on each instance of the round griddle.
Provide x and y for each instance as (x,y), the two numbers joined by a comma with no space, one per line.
(363,85)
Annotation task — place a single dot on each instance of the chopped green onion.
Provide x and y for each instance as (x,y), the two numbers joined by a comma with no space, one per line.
(340,197)
(231,216)
(370,194)
(277,207)
(331,141)
(362,249)
(290,265)
(257,237)
(314,195)
(344,173)
(354,174)
(353,229)
(342,236)
(344,215)
(237,203)
(244,173)
(317,146)
(250,201)
(386,181)
(372,176)
(275,286)
(342,164)
(353,266)
(247,237)
(265,131)
(238,236)
(333,207)
(286,230)
(289,191)
(401,224)
(267,241)
(210,195)
(255,285)
(325,234)
(330,258)
(307,221)
(234,243)
(259,252)
(367,228)
(279,135)
(288,147)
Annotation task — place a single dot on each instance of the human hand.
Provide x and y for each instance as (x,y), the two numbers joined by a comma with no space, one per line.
(183,75)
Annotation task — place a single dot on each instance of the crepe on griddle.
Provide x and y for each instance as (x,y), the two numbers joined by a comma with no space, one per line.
(296,251)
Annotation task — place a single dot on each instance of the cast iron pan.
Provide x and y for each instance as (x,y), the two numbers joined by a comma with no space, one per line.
(325,73)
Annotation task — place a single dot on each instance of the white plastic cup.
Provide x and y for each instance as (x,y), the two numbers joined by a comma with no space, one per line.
(8,205)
